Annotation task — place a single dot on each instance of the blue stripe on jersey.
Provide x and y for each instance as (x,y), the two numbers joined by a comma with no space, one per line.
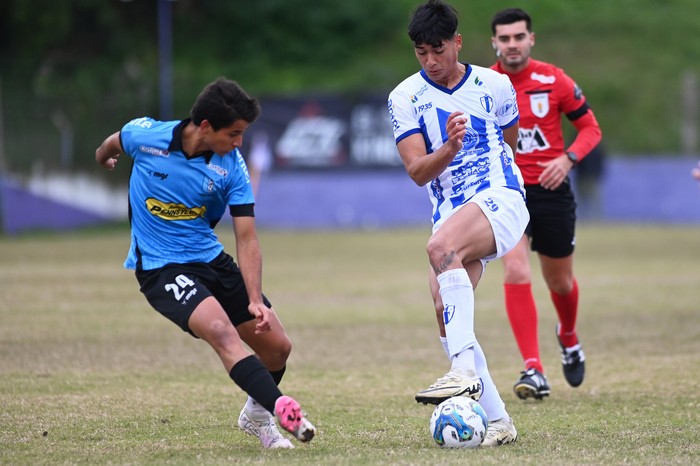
(442,116)
(479,125)
(439,198)
(424,131)
(513,121)
(407,134)
(512,180)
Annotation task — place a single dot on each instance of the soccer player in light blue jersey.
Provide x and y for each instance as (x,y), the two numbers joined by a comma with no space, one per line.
(456,129)
(185,174)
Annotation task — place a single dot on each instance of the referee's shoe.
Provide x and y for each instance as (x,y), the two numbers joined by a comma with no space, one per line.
(532,384)
(572,362)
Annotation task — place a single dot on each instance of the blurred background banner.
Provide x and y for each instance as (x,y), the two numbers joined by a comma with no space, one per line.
(332,131)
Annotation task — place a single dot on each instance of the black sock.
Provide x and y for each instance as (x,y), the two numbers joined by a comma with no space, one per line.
(254,378)
(277,375)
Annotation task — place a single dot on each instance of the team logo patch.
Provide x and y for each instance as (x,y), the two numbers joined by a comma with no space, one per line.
(539,103)
(173,211)
(487,103)
(448,313)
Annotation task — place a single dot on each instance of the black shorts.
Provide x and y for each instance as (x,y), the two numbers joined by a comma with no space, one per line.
(175,290)
(552,227)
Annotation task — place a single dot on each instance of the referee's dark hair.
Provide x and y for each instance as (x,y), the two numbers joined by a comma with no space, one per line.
(510,16)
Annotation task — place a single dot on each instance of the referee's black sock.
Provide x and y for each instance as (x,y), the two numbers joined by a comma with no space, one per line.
(254,378)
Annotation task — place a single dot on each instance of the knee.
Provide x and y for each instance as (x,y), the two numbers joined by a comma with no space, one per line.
(516,272)
(516,268)
(275,355)
(560,285)
(221,334)
(439,253)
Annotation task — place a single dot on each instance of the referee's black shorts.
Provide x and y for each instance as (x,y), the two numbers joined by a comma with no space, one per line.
(552,227)
(175,290)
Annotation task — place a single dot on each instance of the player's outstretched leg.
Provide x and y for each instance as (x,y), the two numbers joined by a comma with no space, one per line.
(291,418)
(572,362)
(262,425)
(532,384)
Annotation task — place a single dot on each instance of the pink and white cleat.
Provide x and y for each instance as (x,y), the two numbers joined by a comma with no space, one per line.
(291,419)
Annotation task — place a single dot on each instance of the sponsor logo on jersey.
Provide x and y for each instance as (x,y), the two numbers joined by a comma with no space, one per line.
(243,166)
(392,115)
(156,174)
(510,106)
(539,104)
(543,78)
(219,170)
(154,151)
(421,91)
(173,211)
(143,122)
(531,139)
(578,93)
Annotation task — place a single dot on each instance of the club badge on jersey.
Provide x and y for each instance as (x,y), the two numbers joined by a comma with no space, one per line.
(539,103)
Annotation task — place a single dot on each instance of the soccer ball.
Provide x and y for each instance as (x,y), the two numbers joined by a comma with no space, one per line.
(458,422)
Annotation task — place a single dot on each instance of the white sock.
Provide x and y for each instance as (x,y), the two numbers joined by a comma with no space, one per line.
(490,400)
(256,410)
(458,299)
(464,362)
(443,341)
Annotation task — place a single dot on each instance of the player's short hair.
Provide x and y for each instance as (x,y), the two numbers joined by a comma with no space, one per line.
(222,102)
(510,16)
(432,23)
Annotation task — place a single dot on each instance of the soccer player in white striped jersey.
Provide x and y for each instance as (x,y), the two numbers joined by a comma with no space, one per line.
(456,129)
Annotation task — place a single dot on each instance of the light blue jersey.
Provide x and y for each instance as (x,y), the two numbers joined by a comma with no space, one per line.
(488,100)
(175,201)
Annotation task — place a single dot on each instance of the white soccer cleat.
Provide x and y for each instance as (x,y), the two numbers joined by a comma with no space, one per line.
(264,429)
(500,432)
(449,385)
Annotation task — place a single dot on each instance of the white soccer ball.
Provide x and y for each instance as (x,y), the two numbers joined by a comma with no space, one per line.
(458,422)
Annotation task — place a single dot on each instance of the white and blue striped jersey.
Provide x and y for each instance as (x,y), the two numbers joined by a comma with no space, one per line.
(175,201)
(420,106)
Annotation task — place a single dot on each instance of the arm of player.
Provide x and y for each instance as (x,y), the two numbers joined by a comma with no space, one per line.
(108,152)
(423,168)
(249,259)
(588,135)
(510,136)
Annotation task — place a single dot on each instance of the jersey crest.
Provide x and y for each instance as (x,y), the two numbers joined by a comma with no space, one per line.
(539,103)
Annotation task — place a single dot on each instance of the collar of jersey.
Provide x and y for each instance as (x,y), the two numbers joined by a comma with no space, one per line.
(176,142)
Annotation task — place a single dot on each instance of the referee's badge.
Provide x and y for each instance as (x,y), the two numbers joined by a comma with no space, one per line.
(539,103)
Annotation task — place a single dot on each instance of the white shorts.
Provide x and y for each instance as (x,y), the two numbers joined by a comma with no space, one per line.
(507,213)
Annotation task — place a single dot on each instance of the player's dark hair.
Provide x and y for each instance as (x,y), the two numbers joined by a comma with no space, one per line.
(510,16)
(222,102)
(432,23)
